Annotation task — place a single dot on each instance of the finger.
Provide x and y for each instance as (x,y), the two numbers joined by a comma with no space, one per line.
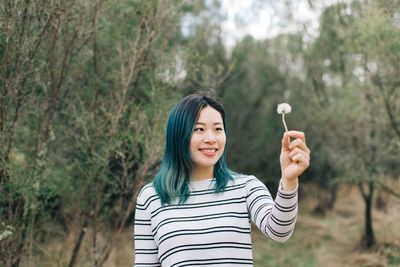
(285,142)
(302,161)
(300,144)
(297,134)
(298,151)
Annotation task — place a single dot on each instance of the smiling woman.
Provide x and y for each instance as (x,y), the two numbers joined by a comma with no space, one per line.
(179,162)
(207,143)
(196,211)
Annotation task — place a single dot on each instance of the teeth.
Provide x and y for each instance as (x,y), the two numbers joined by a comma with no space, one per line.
(209,150)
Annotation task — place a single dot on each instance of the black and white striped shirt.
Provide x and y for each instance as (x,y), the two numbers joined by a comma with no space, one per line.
(210,229)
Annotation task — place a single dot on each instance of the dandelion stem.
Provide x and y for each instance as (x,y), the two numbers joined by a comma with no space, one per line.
(284,122)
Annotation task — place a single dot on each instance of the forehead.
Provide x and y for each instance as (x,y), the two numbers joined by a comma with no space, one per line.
(209,115)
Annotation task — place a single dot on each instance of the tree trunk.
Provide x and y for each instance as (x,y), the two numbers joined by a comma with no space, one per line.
(368,239)
(326,200)
(78,243)
(381,202)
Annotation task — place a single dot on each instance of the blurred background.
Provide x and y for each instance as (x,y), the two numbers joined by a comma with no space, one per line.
(87,86)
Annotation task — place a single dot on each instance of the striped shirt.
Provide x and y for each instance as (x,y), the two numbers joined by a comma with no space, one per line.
(210,229)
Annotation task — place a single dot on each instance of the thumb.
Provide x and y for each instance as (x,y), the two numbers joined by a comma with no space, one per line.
(285,142)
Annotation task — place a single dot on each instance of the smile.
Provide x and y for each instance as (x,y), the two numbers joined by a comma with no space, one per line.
(209,150)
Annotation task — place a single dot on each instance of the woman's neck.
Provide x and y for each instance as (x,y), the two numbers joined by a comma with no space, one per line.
(203,173)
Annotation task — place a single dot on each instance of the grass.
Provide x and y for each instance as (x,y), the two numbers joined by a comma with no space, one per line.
(329,241)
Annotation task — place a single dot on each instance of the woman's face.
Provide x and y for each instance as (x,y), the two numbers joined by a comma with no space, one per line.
(208,139)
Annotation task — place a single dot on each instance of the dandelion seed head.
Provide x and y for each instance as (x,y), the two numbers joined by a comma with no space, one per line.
(284,108)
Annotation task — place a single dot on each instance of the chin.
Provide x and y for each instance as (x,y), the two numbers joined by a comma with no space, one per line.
(207,164)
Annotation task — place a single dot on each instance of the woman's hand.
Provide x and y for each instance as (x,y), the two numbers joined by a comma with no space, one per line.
(295,158)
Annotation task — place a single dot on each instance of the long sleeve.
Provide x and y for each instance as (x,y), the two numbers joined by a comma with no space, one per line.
(276,219)
(146,250)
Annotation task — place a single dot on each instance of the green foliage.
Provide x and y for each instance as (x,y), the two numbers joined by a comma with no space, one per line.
(7,231)
(83,108)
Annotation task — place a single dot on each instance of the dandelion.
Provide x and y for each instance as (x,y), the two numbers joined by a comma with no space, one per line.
(283,109)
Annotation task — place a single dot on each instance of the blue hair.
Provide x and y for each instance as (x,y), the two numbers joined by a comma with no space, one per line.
(172,180)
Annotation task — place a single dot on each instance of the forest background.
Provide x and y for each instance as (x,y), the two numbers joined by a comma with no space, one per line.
(86,88)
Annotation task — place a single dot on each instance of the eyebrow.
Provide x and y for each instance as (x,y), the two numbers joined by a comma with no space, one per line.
(215,123)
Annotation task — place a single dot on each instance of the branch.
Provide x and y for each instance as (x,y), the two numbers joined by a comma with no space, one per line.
(386,188)
(146,55)
(53,93)
(95,52)
(20,89)
(64,66)
(386,99)
(132,202)
(21,35)
(4,74)
(126,80)
(152,160)
(394,87)
(360,186)
(391,117)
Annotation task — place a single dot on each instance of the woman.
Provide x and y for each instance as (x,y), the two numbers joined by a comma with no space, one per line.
(196,211)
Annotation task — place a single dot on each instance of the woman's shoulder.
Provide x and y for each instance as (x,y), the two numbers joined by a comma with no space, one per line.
(240,178)
(249,183)
(147,191)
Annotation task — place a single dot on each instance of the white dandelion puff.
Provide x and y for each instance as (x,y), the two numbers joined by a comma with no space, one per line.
(283,109)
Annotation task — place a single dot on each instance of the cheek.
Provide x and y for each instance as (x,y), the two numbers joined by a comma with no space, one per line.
(194,141)
(222,141)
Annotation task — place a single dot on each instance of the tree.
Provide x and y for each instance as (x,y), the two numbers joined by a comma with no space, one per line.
(342,65)
(264,76)
(84,93)
(40,40)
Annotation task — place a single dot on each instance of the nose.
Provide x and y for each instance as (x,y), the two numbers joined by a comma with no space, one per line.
(210,138)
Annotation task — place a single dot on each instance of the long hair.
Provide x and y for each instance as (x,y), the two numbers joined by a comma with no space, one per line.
(172,180)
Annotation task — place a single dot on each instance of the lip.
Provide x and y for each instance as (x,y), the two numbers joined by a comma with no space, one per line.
(208,154)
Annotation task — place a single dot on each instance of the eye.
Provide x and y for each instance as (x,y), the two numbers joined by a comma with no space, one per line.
(219,129)
(198,129)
